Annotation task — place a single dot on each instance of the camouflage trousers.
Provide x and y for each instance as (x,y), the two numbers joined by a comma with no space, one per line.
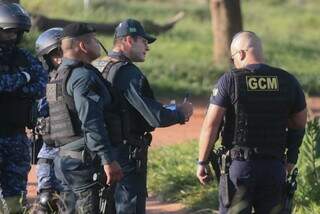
(14,167)
(78,177)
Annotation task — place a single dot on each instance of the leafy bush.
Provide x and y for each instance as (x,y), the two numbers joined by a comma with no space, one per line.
(307,196)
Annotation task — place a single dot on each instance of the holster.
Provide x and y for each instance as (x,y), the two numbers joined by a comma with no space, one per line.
(289,190)
(138,150)
(215,160)
(225,182)
(106,199)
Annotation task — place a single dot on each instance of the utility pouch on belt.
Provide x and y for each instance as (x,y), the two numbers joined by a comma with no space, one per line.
(225,182)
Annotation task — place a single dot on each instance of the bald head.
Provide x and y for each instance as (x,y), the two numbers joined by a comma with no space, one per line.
(249,47)
(85,48)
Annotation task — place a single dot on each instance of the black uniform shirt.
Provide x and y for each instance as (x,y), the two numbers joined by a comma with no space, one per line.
(223,94)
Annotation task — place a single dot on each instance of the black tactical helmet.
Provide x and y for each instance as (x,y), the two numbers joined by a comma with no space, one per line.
(13,16)
(48,41)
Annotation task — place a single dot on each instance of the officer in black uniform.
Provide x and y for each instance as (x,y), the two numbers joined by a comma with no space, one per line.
(264,112)
(77,101)
(140,113)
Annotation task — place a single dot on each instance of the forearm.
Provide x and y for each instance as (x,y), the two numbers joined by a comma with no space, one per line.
(37,88)
(12,82)
(206,142)
(294,141)
(153,111)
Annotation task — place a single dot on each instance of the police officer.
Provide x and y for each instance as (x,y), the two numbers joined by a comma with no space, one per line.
(139,113)
(49,53)
(77,100)
(22,81)
(264,112)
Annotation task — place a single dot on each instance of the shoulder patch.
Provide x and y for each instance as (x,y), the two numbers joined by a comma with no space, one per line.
(215,92)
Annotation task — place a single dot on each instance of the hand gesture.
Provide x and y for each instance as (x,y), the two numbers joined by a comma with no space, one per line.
(187,110)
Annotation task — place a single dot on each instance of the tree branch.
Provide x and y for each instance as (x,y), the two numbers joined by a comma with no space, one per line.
(43,23)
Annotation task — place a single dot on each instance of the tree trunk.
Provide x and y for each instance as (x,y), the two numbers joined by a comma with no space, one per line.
(226,21)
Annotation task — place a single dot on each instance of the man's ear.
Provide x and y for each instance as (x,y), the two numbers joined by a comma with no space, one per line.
(83,46)
(129,40)
(242,54)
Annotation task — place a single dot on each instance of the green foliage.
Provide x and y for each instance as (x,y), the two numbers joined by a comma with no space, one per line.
(309,167)
(181,59)
(172,177)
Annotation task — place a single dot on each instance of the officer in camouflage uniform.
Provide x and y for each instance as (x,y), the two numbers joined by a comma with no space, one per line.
(77,99)
(22,81)
(264,111)
(137,115)
(49,53)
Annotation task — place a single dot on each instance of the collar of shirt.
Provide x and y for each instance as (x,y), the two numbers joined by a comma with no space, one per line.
(253,67)
(68,61)
(119,56)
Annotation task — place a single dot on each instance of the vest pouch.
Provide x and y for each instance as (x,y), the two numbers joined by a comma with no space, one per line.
(61,126)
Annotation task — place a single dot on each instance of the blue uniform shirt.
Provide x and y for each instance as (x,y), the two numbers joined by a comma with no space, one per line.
(90,106)
(13,81)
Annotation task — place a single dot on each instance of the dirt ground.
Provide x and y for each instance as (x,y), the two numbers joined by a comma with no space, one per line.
(172,135)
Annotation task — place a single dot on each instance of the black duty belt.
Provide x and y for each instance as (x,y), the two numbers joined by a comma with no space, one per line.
(245,153)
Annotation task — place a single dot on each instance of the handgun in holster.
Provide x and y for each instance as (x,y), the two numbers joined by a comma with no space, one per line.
(290,188)
(106,192)
(225,179)
(215,160)
(139,151)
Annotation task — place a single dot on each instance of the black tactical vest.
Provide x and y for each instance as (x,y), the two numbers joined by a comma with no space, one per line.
(64,125)
(261,110)
(116,116)
(17,111)
(125,124)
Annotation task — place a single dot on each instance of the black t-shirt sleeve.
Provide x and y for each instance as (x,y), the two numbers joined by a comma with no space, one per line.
(299,100)
(221,91)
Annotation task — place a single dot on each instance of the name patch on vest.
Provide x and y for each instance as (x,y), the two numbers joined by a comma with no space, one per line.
(262,83)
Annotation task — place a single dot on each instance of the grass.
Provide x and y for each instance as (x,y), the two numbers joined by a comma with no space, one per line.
(172,177)
(181,59)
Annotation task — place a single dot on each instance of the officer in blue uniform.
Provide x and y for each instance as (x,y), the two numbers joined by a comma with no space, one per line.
(77,99)
(22,81)
(263,110)
(138,113)
(50,54)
